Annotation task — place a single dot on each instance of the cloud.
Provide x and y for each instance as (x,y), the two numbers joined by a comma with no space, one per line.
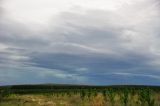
(30,74)
(76,40)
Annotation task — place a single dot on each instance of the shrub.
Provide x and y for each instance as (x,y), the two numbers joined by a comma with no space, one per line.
(145,97)
(124,97)
(111,95)
(83,94)
(4,93)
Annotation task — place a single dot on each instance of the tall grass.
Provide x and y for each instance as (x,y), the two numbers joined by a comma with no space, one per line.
(99,96)
(145,97)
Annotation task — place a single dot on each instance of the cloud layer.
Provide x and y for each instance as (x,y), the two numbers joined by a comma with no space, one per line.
(108,42)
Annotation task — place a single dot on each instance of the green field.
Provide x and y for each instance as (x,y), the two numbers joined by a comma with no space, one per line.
(79,95)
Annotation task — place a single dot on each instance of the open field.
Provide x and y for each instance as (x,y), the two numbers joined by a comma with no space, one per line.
(70,95)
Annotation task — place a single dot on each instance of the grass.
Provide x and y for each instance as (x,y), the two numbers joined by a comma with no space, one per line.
(80,96)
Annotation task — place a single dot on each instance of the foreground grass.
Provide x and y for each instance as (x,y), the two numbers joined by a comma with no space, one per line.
(72,100)
(80,96)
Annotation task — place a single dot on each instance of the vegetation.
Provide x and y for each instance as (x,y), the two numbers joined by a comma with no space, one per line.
(70,95)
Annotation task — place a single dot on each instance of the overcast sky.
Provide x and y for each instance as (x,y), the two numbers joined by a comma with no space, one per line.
(102,42)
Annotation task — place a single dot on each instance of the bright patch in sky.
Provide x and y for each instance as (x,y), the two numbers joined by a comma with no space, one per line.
(43,10)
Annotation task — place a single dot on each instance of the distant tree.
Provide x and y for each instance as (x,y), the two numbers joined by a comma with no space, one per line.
(5,93)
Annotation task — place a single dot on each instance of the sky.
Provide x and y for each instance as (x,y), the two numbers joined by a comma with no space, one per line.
(96,42)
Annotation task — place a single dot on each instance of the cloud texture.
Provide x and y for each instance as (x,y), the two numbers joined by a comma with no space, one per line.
(67,41)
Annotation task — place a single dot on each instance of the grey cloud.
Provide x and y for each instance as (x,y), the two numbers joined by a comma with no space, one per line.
(29,74)
(100,41)
(95,65)
(99,30)
(18,35)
